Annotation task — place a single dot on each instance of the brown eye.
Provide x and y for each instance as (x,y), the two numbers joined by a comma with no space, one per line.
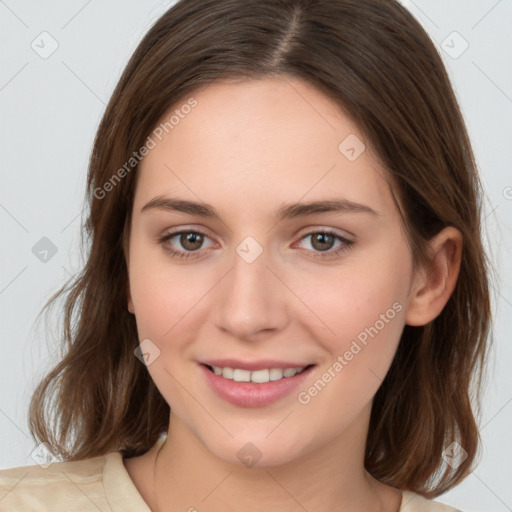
(322,241)
(326,244)
(184,244)
(191,241)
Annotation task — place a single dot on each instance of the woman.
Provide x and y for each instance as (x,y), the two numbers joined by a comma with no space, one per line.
(285,304)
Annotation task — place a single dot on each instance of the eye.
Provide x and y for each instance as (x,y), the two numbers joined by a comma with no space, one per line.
(190,240)
(323,241)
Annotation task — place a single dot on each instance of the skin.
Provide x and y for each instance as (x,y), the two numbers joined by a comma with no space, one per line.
(247,148)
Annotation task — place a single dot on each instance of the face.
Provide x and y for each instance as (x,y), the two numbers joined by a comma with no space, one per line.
(251,283)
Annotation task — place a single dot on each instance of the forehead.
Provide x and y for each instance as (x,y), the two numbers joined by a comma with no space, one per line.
(277,139)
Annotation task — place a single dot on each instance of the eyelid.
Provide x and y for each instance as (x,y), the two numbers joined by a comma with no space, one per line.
(309,230)
(326,231)
(171,233)
(314,228)
(187,228)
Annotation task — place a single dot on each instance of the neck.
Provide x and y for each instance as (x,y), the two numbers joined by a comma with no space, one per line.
(187,476)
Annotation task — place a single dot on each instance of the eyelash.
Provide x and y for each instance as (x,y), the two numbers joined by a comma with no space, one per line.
(317,254)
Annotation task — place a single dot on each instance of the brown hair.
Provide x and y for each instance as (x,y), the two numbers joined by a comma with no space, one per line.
(377,63)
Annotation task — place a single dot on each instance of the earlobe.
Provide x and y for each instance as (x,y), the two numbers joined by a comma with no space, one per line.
(431,290)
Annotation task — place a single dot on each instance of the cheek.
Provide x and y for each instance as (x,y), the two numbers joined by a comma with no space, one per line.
(164,297)
(367,329)
(162,293)
(365,343)
(351,303)
(360,315)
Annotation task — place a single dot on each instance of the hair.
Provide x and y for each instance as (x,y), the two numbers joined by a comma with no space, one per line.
(376,62)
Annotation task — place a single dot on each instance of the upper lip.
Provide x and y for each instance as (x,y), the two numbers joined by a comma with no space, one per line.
(261,364)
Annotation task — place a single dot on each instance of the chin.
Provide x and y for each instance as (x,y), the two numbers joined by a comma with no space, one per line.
(258,451)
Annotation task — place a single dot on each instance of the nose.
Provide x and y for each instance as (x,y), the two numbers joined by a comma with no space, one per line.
(252,301)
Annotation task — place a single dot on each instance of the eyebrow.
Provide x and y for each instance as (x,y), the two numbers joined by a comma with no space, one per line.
(287,211)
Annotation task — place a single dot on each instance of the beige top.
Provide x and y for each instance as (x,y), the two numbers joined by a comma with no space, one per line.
(103,484)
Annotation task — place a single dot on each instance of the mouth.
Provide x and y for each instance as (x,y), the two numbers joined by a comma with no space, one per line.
(257,387)
(257,376)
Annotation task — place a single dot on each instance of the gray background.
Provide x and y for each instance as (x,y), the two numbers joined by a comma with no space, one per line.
(51,107)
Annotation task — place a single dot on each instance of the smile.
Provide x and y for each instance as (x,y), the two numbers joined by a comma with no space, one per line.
(257,376)
(254,387)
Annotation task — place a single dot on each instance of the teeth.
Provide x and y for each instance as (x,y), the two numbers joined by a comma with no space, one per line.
(227,373)
(276,374)
(241,375)
(257,376)
(260,376)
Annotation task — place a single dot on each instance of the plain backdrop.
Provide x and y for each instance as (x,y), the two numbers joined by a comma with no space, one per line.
(60,61)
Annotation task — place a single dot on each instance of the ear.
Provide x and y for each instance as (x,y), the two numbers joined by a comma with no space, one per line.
(430,291)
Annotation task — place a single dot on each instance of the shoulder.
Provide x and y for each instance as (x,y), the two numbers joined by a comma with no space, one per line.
(412,502)
(99,483)
(34,487)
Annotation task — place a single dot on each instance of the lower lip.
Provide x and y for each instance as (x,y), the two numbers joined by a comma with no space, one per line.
(248,394)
